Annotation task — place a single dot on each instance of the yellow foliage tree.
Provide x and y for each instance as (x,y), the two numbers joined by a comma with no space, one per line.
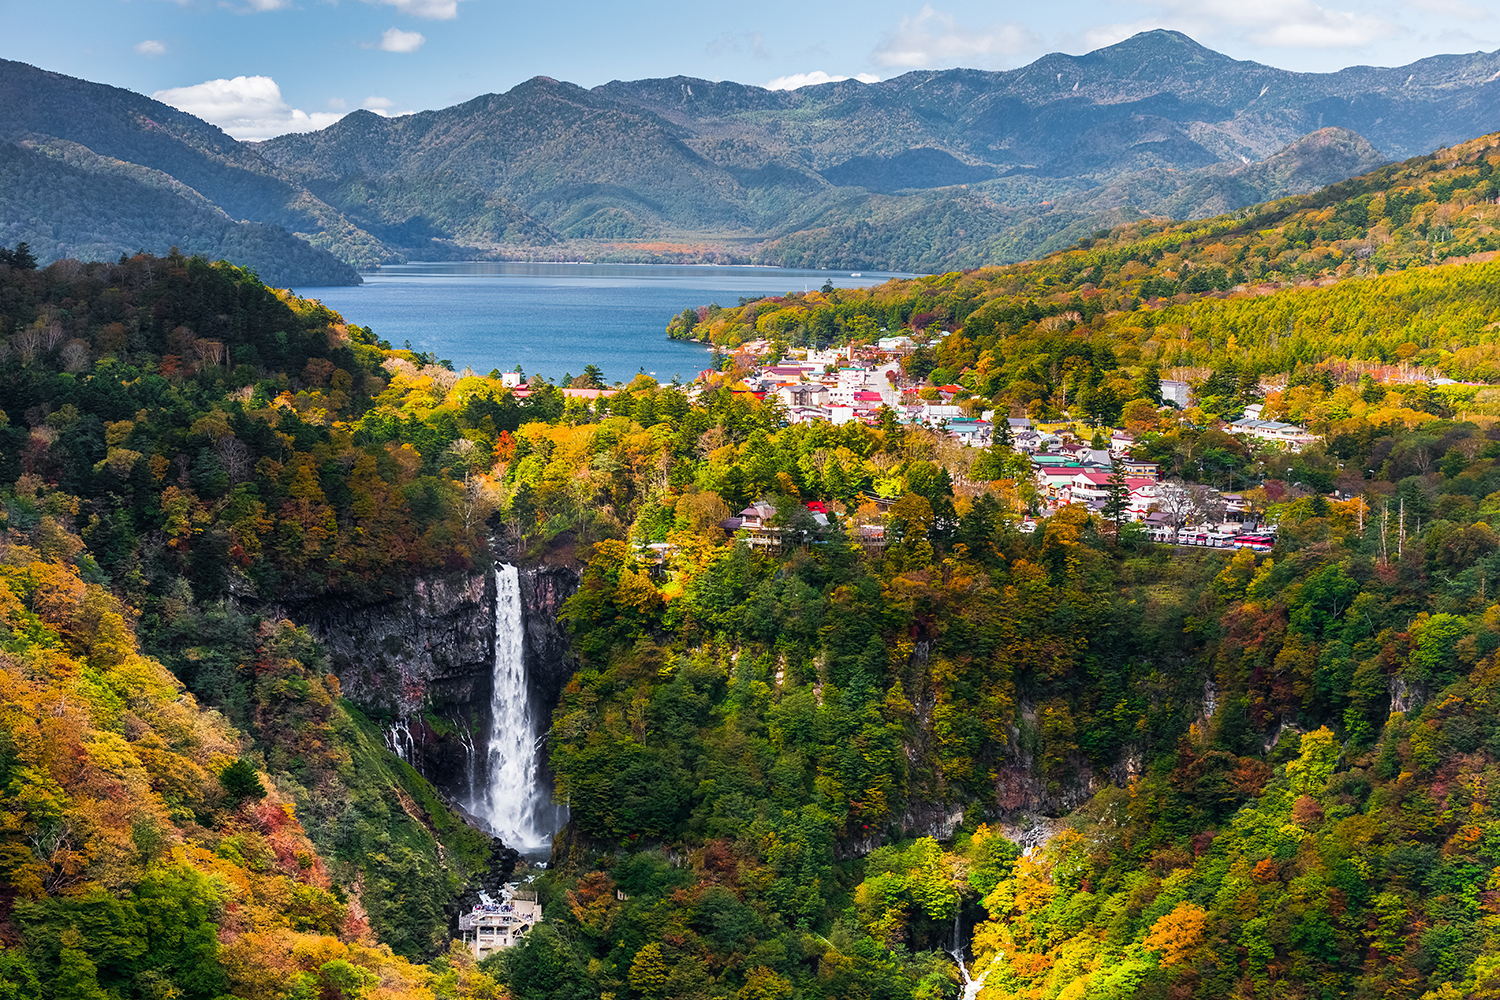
(1175,935)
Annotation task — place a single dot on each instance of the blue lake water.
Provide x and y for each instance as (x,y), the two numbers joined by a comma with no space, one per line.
(556,318)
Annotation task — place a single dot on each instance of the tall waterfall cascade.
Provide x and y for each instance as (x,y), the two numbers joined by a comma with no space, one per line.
(517,801)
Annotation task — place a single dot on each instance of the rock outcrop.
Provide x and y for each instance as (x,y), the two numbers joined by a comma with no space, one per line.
(421,662)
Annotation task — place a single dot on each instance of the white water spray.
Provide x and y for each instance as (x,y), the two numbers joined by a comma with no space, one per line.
(516,805)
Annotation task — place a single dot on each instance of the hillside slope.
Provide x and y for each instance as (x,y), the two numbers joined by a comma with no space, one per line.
(37,106)
(793,772)
(68,202)
(1155,99)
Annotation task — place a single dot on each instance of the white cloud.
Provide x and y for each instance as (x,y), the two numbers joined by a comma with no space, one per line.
(247,107)
(751,43)
(396,40)
(151,47)
(382,106)
(933,38)
(432,10)
(1302,24)
(814,78)
(337,103)
(260,6)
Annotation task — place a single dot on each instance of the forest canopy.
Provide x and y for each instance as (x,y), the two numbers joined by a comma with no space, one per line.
(1089,764)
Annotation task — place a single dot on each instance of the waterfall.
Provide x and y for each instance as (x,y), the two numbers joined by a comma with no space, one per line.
(517,805)
(398,740)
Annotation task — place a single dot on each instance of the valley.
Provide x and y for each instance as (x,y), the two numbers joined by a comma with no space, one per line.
(1109,621)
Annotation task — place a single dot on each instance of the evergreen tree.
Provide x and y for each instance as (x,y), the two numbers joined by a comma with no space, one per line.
(1117,499)
(1224,381)
(21,258)
(1149,384)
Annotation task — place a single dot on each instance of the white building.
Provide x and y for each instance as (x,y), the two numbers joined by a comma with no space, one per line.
(493,925)
(1173,391)
(1289,436)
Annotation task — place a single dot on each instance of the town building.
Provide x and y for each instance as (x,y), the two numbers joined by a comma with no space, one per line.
(1290,436)
(1175,392)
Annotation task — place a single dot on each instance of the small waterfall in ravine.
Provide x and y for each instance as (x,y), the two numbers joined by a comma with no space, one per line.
(517,801)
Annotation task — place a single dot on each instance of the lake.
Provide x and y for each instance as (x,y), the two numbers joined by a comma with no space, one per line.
(554,319)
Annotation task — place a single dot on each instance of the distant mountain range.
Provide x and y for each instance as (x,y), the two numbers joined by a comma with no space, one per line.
(928,171)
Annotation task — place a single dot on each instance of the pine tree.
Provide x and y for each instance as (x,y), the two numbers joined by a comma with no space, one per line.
(1149,386)
(1117,499)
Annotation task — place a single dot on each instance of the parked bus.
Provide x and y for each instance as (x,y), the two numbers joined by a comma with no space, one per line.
(1256,543)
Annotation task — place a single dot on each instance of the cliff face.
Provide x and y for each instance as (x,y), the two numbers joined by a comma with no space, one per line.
(430,647)
(549,655)
(422,662)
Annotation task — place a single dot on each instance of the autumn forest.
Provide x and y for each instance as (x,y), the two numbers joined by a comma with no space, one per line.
(1009,742)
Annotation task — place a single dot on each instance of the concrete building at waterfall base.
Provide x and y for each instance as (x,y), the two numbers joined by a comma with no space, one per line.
(492,925)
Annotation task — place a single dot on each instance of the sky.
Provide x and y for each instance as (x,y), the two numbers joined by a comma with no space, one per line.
(260,68)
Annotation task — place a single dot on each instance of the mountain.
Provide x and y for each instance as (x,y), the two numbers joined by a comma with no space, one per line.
(113,134)
(917,159)
(67,201)
(928,171)
(248,556)
(1014,220)
(1158,98)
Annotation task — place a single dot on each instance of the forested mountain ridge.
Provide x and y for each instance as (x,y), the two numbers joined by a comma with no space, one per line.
(38,108)
(68,202)
(232,827)
(1110,107)
(929,171)
(945,230)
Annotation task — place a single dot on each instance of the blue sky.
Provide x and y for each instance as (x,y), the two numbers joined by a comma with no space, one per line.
(262,67)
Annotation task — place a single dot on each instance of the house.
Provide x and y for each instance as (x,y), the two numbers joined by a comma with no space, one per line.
(1289,436)
(1140,468)
(894,344)
(589,394)
(970,431)
(1073,450)
(785,371)
(810,394)
(1092,488)
(809,414)
(1054,481)
(755,522)
(934,413)
(1120,443)
(841,413)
